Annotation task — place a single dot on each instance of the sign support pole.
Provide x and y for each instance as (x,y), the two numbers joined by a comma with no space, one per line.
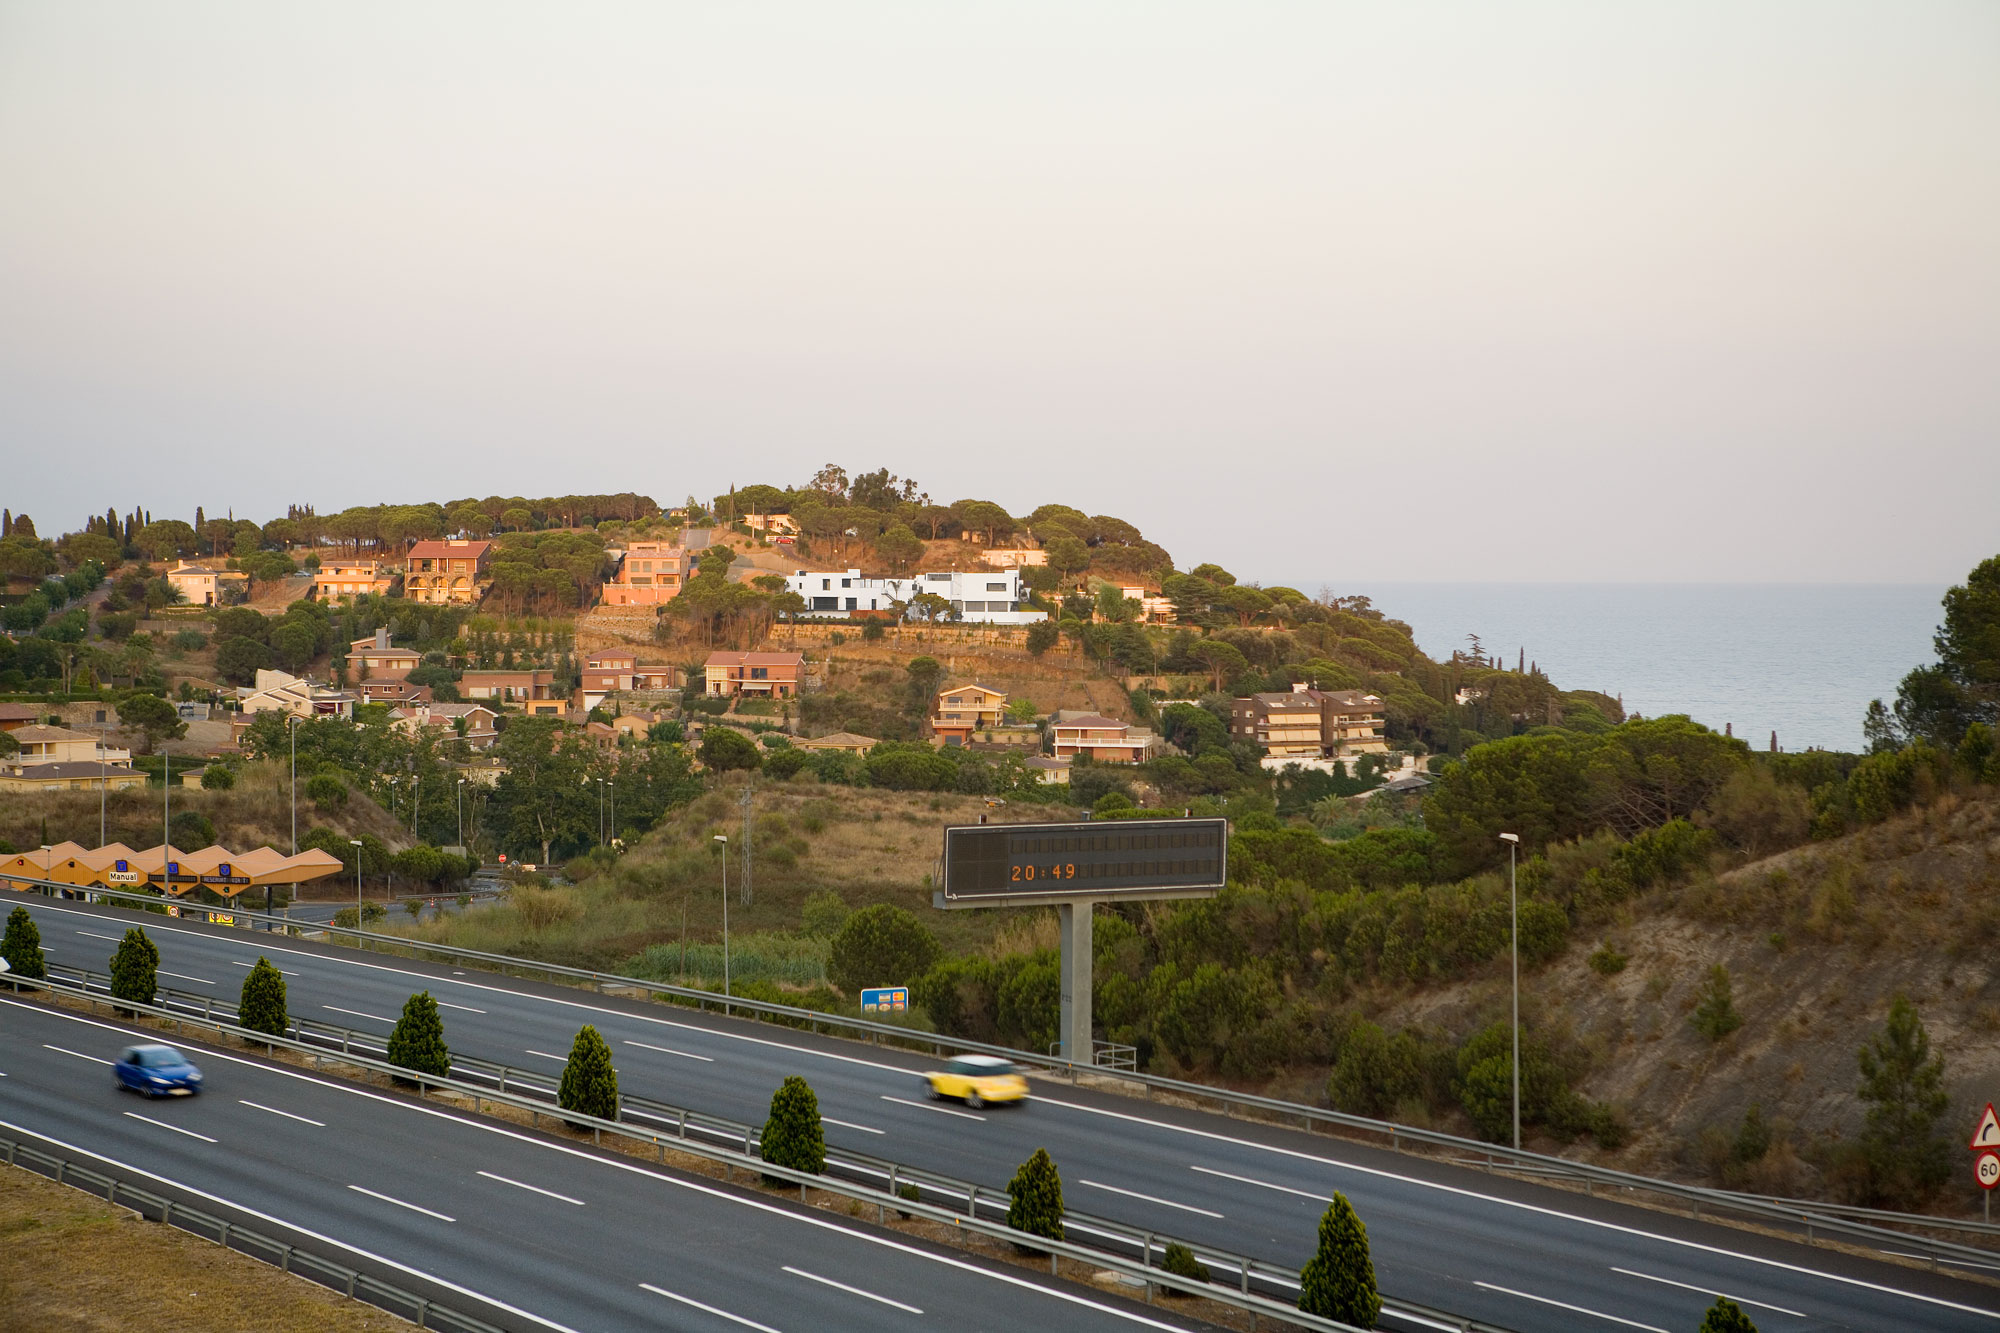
(1075,919)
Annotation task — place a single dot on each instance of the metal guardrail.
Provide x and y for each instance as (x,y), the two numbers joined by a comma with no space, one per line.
(1141,1272)
(1814,1218)
(289,1258)
(1251,1274)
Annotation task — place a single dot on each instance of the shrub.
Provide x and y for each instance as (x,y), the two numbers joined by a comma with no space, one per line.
(1904,1086)
(1715,1015)
(792,1134)
(723,748)
(1606,961)
(22,946)
(1725,1316)
(786,763)
(823,914)
(1338,1282)
(882,945)
(326,791)
(1375,1071)
(1036,1206)
(589,1080)
(218,777)
(135,968)
(418,1041)
(262,1005)
(191,829)
(1180,1261)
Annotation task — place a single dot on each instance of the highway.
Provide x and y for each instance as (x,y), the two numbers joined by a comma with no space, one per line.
(511,1227)
(1511,1253)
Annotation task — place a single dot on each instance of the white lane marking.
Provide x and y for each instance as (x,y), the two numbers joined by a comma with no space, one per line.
(844,1124)
(668,1050)
(926,1106)
(1251,1180)
(237,962)
(304,1120)
(707,1309)
(319,1236)
(182,976)
(712,1191)
(1575,1309)
(852,1291)
(357,1013)
(1134,1194)
(546,1056)
(1710,1291)
(175,1128)
(115,939)
(398,1202)
(447,1004)
(533,1189)
(64,1050)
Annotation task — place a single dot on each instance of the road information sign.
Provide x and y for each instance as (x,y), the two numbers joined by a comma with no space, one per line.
(885,999)
(1988,1133)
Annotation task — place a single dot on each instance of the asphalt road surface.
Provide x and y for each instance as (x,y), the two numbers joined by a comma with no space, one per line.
(514,1228)
(1512,1253)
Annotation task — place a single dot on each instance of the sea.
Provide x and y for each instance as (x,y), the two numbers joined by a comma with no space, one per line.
(1798,659)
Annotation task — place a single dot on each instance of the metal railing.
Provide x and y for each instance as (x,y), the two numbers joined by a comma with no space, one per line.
(936,1197)
(1812,1218)
(314,1267)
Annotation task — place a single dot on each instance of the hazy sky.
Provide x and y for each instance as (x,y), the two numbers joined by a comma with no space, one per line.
(1325,292)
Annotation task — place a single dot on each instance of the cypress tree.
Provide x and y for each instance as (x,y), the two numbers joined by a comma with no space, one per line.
(589,1080)
(22,946)
(262,1006)
(1725,1316)
(135,968)
(1338,1282)
(418,1041)
(1036,1205)
(792,1135)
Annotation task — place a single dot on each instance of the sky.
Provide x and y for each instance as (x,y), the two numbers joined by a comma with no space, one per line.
(1323,292)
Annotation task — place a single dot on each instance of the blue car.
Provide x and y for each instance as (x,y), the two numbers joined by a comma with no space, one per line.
(157,1071)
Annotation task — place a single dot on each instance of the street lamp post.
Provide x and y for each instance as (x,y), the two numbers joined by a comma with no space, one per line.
(291,731)
(725,921)
(461,816)
(1513,841)
(355,843)
(103,782)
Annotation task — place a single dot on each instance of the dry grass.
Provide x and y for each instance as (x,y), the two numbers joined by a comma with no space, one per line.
(868,846)
(69,1262)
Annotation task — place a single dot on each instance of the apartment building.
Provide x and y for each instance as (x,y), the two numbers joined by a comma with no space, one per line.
(1306,723)
(648,574)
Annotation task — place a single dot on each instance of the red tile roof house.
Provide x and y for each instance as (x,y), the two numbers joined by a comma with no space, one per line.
(447,571)
(1104,739)
(769,675)
(379,659)
(612,671)
(508,686)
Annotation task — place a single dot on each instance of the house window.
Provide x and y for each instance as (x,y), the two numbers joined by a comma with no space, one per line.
(759,673)
(996,587)
(847,583)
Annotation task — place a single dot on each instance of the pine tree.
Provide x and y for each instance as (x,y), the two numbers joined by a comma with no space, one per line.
(135,968)
(1715,1017)
(418,1041)
(22,946)
(1725,1316)
(589,1080)
(262,1006)
(1903,1085)
(1338,1282)
(792,1135)
(1037,1202)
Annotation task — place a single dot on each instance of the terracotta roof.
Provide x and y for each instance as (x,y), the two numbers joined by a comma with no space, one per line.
(441,550)
(18,713)
(755,659)
(29,735)
(1092,721)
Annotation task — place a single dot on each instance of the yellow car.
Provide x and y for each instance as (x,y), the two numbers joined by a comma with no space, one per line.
(978,1080)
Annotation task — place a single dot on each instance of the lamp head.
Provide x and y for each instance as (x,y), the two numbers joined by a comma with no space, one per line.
(1510,837)
(720,838)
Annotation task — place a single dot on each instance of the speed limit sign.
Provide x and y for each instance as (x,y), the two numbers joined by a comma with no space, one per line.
(1987,1168)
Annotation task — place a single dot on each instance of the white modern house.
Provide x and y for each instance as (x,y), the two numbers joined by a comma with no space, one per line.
(980,597)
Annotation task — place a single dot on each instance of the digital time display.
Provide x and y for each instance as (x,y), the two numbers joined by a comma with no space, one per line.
(1102,858)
